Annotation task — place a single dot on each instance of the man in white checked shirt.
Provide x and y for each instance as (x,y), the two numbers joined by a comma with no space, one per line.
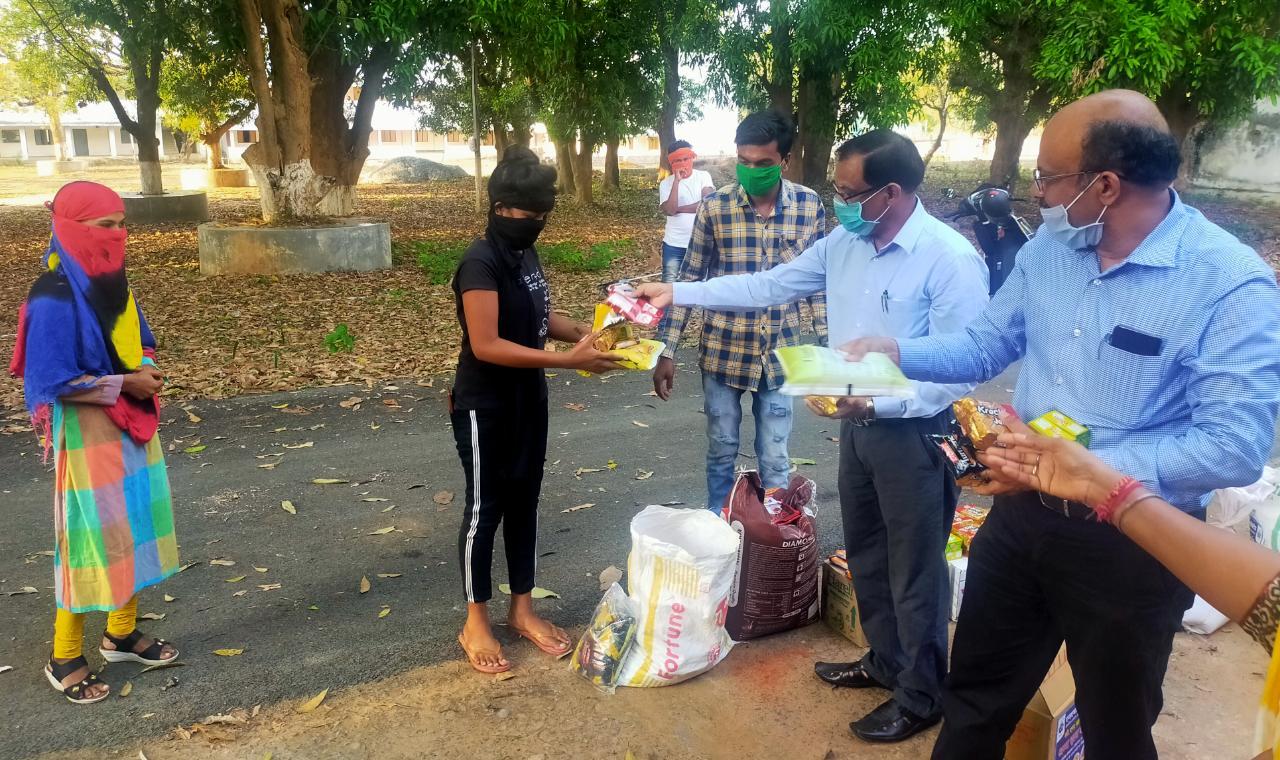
(1158,330)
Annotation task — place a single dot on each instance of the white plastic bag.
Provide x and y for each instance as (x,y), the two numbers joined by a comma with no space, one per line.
(1230,506)
(680,571)
(1202,618)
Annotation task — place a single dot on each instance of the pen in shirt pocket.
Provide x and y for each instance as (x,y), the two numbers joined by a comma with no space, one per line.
(884,301)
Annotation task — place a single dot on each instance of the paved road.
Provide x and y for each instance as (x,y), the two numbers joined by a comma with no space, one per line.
(316,630)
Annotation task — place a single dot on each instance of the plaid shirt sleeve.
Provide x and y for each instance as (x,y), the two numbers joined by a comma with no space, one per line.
(693,268)
(818,301)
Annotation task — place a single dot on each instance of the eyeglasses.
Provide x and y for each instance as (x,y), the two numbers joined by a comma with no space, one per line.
(849,197)
(1041,180)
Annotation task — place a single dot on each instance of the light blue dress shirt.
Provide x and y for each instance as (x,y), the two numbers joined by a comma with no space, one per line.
(1197,416)
(927,280)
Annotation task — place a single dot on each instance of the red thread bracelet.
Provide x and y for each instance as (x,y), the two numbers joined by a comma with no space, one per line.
(1107,507)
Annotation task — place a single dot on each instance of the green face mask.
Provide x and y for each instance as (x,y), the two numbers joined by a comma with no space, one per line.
(759,180)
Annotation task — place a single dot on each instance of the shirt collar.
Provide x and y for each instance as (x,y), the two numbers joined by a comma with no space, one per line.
(786,197)
(1160,247)
(909,235)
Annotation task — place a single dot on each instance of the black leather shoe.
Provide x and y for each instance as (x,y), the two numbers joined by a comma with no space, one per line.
(890,722)
(851,675)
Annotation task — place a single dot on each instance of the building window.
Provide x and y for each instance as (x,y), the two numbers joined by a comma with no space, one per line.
(389,136)
(126,138)
(653,143)
(44,137)
(423,136)
(246,136)
(9,136)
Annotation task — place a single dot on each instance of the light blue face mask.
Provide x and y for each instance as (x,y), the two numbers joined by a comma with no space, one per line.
(1058,227)
(850,215)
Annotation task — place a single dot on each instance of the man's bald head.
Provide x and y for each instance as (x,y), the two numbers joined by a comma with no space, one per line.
(1121,131)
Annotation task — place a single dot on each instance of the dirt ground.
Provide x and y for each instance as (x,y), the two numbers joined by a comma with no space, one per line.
(762,702)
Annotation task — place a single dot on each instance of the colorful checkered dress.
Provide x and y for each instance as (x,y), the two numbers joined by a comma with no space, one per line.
(729,238)
(113,519)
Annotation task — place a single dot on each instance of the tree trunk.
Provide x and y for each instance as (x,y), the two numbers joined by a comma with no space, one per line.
(55,131)
(146,85)
(285,192)
(582,172)
(670,99)
(214,146)
(501,139)
(564,167)
(1185,124)
(811,160)
(779,86)
(942,109)
(612,175)
(1015,109)
(521,131)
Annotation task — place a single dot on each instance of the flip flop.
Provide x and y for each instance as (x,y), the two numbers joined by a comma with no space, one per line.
(487,669)
(541,642)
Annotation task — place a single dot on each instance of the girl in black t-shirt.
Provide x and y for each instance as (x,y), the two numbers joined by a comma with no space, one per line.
(499,400)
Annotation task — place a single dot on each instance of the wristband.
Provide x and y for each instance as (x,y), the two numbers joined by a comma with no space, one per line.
(1105,510)
(1118,517)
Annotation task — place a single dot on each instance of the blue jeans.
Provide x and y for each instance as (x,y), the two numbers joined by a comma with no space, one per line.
(671,259)
(772,412)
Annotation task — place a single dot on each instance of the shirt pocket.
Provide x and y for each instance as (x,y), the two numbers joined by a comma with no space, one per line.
(905,316)
(1134,384)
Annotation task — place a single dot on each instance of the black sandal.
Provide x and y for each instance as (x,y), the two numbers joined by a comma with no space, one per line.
(56,671)
(124,650)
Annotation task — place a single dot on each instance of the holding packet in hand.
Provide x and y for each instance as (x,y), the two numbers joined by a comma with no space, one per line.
(822,371)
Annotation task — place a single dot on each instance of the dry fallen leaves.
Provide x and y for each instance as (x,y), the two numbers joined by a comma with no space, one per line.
(168,598)
(609,576)
(351,403)
(151,616)
(364,584)
(537,593)
(443,498)
(236,579)
(329,481)
(222,562)
(580,507)
(127,689)
(389,575)
(384,612)
(644,474)
(228,652)
(311,704)
(382,531)
(639,424)
(287,506)
(269,586)
(576,407)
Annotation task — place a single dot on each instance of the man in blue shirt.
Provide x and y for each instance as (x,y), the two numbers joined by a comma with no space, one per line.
(1159,331)
(892,269)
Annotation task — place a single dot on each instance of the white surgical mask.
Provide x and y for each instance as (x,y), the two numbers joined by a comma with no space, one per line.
(1058,227)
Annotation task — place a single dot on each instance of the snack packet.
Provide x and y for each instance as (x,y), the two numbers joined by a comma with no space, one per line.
(961,458)
(980,421)
(619,337)
(603,646)
(810,370)
(828,404)
(1055,424)
(621,300)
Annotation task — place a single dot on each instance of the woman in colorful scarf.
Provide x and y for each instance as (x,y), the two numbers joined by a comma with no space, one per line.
(1232,573)
(86,356)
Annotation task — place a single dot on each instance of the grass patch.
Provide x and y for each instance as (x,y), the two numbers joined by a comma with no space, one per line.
(570,256)
(437,260)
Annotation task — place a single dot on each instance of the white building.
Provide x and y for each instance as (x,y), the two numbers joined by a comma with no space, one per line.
(89,132)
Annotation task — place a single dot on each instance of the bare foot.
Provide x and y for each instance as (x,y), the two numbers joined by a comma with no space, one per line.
(78,675)
(484,650)
(167,652)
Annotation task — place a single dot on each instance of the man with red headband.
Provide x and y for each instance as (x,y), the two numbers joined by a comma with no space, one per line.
(679,196)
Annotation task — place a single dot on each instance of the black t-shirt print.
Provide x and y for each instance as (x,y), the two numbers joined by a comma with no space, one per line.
(524,314)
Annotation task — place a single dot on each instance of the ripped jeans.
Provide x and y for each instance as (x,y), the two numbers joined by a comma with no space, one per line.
(723,406)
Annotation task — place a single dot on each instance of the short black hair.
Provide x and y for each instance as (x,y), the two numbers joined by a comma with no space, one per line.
(1140,153)
(521,181)
(764,127)
(677,145)
(887,157)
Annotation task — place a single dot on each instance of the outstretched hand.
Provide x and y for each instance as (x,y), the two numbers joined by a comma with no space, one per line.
(855,350)
(1055,466)
(660,294)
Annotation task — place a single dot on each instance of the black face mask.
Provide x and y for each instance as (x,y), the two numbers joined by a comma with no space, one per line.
(518,234)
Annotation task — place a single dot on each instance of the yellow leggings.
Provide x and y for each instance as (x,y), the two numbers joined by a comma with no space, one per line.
(68,629)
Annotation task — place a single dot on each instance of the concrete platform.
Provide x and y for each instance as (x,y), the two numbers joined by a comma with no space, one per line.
(201,179)
(51,168)
(352,245)
(181,206)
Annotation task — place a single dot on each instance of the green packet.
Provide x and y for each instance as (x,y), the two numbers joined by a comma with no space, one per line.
(820,371)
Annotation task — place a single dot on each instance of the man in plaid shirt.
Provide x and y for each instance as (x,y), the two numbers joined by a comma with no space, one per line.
(751,226)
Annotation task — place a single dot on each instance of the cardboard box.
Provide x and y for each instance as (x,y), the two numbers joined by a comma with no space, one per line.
(1050,728)
(840,604)
(955,547)
(956,570)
